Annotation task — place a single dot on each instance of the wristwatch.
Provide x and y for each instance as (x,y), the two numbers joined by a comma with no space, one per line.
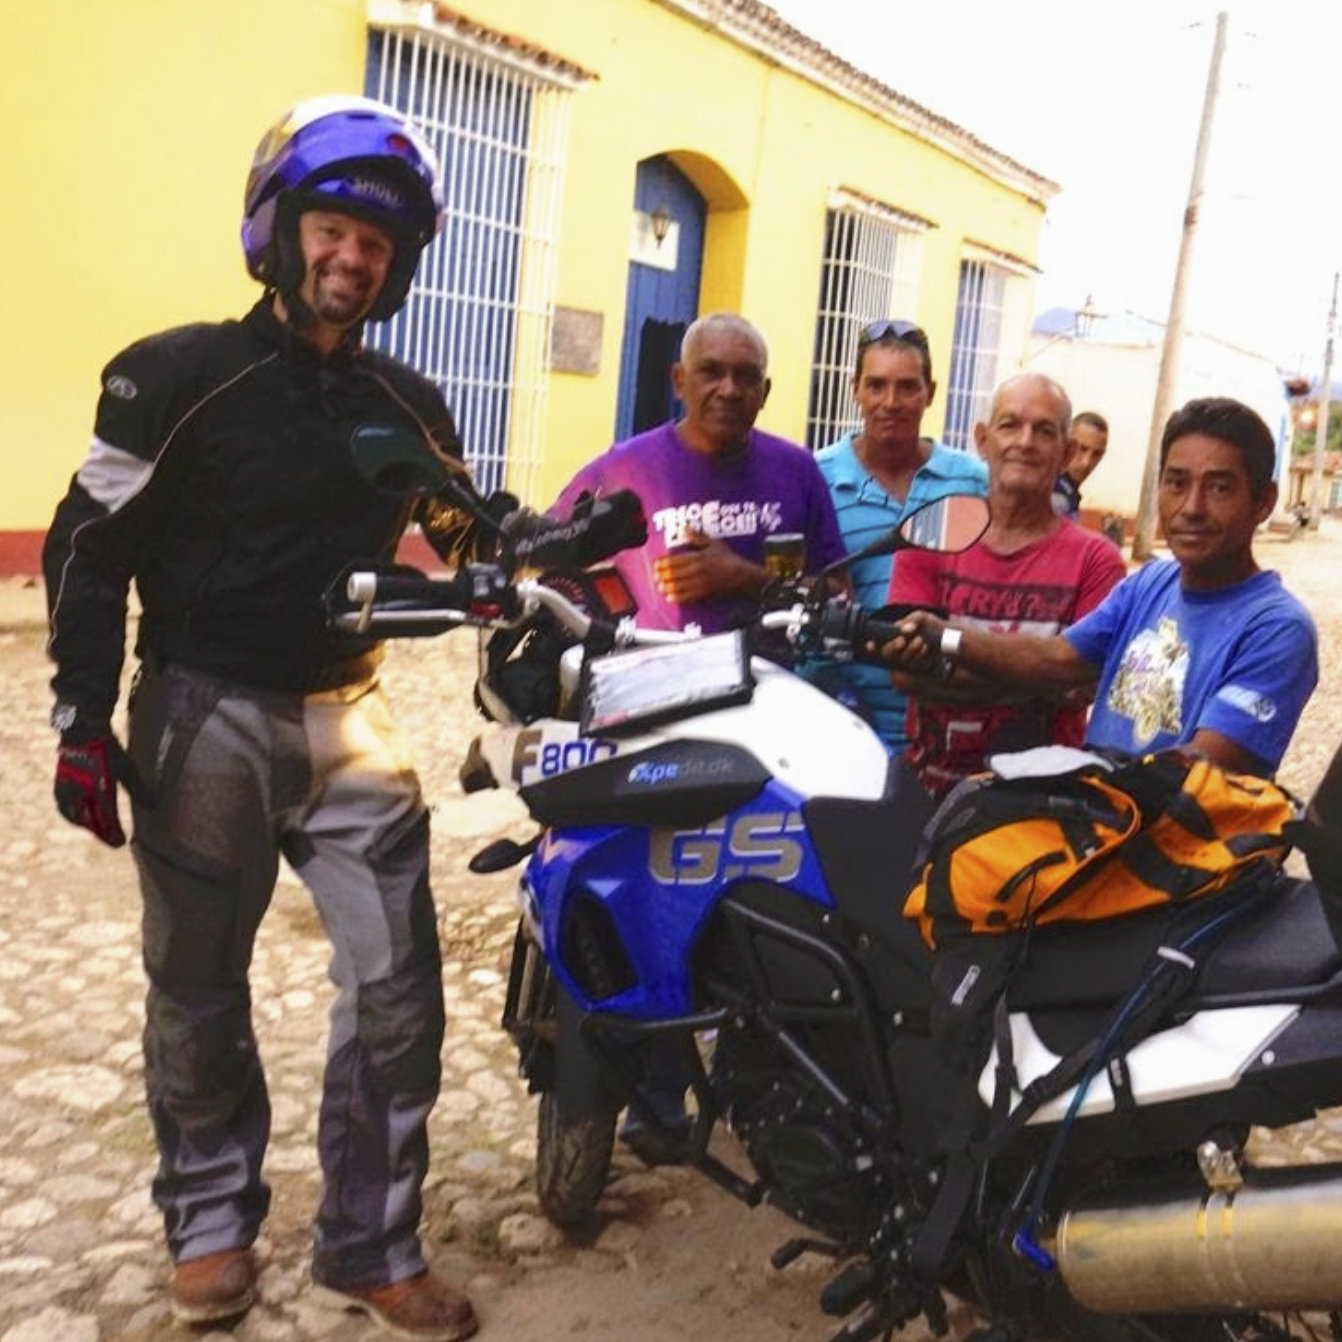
(948,651)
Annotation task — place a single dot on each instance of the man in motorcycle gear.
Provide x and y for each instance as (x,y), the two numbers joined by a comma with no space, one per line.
(220,480)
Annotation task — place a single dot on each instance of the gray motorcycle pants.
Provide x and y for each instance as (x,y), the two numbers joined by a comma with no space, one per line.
(239,777)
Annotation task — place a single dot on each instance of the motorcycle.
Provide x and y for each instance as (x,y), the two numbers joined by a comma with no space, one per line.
(719,868)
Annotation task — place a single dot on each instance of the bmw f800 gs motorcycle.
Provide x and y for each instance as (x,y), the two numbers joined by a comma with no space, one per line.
(722,856)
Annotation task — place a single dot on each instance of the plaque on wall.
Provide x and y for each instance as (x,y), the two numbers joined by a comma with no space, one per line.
(575,341)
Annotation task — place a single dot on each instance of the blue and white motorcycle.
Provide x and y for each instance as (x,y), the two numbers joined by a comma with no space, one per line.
(719,869)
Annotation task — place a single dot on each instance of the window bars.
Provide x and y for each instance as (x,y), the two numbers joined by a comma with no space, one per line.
(479,314)
(975,350)
(868,271)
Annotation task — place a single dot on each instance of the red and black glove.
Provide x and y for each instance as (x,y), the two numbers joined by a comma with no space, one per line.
(87,774)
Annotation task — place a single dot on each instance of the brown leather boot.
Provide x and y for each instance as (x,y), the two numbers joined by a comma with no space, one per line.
(424,1308)
(216,1286)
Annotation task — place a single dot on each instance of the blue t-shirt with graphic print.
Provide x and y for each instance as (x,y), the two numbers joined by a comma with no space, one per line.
(1241,661)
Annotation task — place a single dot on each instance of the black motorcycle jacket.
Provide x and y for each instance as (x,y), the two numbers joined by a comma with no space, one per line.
(221,481)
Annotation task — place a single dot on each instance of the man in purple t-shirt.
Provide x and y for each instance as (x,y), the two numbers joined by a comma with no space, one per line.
(713,487)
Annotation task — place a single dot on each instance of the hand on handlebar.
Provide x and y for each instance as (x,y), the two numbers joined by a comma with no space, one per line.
(913,645)
(903,637)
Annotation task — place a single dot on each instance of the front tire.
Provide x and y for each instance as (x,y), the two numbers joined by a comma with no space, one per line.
(575,1128)
(572,1160)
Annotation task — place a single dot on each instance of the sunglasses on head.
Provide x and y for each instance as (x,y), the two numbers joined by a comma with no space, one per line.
(906,331)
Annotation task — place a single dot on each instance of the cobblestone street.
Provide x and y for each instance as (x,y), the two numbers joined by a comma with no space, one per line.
(81,1257)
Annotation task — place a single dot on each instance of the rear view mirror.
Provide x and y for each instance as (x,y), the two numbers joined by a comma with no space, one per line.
(947,525)
(397,460)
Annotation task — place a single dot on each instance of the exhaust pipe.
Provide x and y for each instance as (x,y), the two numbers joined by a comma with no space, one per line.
(1275,1242)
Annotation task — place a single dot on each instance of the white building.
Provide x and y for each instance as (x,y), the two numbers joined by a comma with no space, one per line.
(1111,364)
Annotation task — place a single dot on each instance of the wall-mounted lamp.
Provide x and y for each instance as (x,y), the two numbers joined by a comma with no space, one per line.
(661,220)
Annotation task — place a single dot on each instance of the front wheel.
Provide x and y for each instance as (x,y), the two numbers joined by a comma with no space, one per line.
(572,1160)
(575,1130)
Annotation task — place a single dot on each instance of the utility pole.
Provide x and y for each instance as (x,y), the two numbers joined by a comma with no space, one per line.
(1321,425)
(1144,532)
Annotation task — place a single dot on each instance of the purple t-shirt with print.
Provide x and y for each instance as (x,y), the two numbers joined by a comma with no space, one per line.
(773,486)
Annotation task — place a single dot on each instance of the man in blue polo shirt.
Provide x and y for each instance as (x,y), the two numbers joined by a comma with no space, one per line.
(877,475)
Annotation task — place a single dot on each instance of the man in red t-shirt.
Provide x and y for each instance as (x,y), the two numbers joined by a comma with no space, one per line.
(1032,571)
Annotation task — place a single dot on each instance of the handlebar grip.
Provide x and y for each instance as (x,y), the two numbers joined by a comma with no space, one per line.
(872,630)
(854,628)
(410,587)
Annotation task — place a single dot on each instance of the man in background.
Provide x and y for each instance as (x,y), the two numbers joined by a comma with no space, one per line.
(714,488)
(1088,442)
(877,475)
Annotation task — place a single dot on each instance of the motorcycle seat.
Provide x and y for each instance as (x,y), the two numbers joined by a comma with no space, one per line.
(1279,950)
(867,850)
(1282,946)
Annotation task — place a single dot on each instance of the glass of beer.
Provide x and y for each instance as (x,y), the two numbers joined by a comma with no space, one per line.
(785,554)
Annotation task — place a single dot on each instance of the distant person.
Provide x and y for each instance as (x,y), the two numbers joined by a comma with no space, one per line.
(877,475)
(1089,440)
(1204,649)
(1030,571)
(714,488)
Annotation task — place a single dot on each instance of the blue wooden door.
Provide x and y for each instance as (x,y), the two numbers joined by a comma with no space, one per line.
(661,297)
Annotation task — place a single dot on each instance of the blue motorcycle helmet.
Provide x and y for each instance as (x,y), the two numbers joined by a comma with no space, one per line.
(353,156)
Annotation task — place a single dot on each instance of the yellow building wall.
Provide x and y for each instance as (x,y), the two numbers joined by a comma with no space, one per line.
(131,127)
(764,146)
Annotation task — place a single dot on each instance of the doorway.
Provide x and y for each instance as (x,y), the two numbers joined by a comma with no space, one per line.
(662,293)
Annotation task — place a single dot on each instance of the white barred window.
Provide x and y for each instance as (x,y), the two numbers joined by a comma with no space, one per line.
(479,316)
(990,305)
(869,272)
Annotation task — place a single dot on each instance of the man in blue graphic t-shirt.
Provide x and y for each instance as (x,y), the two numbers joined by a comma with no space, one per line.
(1204,649)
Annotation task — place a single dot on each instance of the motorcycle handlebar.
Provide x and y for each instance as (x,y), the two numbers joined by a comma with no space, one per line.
(847,626)
(405,602)
(418,590)
(395,600)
